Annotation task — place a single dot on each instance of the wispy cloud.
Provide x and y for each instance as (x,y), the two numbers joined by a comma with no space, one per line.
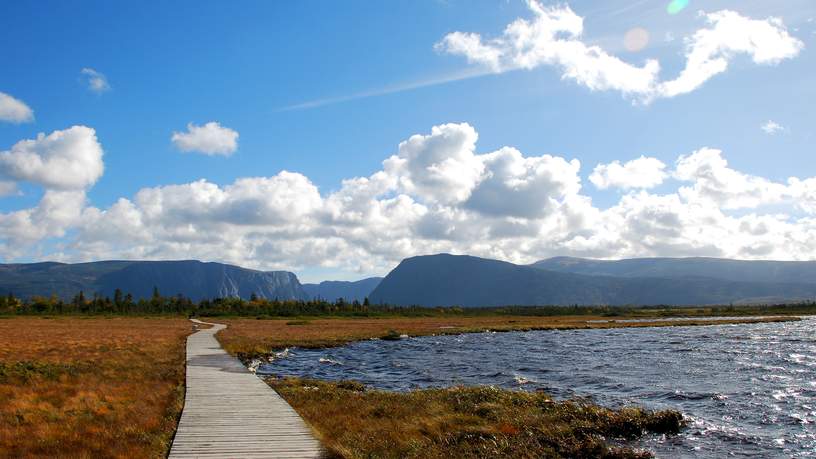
(96,81)
(771,127)
(554,37)
(392,89)
(14,110)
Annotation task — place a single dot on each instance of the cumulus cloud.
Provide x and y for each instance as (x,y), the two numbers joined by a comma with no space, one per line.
(440,167)
(436,193)
(14,110)
(56,213)
(714,181)
(642,172)
(553,37)
(515,186)
(65,164)
(66,160)
(210,139)
(96,81)
(771,127)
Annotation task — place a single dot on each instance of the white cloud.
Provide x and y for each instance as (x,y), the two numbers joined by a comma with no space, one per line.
(65,163)
(437,193)
(14,110)
(642,172)
(553,37)
(68,160)
(96,81)
(771,127)
(276,200)
(209,139)
(714,181)
(515,186)
(440,167)
(709,50)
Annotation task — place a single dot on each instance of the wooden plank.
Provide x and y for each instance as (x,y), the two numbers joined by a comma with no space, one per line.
(229,412)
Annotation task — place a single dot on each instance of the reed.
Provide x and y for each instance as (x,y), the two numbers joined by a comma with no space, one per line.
(90,387)
(467,422)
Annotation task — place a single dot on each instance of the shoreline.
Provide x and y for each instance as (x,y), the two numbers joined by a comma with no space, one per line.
(250,349)
(352,420)
(466,421)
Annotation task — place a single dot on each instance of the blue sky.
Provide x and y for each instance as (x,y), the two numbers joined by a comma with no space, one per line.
(329,90)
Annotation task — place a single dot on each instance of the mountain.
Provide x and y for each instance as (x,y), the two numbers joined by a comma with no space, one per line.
(450,280)
(715,268)
(193,279)
(349,291)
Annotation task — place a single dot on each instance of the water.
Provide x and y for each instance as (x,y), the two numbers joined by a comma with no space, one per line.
(749,390)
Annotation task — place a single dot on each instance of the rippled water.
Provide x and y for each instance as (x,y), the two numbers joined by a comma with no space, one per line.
(750,390)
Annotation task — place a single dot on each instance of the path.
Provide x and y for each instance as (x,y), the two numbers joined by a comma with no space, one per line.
(230,412)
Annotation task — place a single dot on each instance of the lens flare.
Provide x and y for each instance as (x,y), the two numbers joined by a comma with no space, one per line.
(636,39)
(677,6)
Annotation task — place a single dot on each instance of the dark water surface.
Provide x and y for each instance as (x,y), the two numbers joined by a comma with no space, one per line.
(749,390)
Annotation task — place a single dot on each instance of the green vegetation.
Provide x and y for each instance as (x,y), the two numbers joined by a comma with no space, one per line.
(467,422)
(125,304)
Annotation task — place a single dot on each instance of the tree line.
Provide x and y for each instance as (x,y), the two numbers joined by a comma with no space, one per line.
(125,304)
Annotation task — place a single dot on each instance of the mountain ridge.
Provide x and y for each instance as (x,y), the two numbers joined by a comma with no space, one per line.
(191,278)
(427,280)
(347,290)
(717,268)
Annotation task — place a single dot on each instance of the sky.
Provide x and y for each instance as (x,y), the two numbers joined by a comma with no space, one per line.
(334,139)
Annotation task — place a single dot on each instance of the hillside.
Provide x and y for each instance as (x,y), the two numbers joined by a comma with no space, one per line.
(349,291)
(193,279)
(715,268)
(449,280)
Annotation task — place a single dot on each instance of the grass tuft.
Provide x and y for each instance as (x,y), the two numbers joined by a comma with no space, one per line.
(90,387)
(467,422)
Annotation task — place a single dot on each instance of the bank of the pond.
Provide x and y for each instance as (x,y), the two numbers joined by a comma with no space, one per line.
(259,338)
(353,421)
(746,389)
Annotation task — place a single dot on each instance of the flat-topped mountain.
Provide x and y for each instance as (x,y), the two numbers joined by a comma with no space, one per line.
(193,279)
(450,280)
(349,291)
(715,268)
(441,280)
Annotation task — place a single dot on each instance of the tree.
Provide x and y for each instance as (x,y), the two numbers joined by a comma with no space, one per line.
(79,300)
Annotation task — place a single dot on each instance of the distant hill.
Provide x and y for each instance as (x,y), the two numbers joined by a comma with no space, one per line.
(449,280)
(193,279)
(715,268)
(349,291)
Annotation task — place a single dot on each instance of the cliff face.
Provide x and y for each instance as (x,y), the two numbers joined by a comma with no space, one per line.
(192,279)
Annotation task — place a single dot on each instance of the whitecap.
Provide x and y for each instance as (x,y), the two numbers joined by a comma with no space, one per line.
(520,380)
(283,354)
(253,365)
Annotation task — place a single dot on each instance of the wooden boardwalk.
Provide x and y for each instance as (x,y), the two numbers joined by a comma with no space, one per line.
(229,412)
